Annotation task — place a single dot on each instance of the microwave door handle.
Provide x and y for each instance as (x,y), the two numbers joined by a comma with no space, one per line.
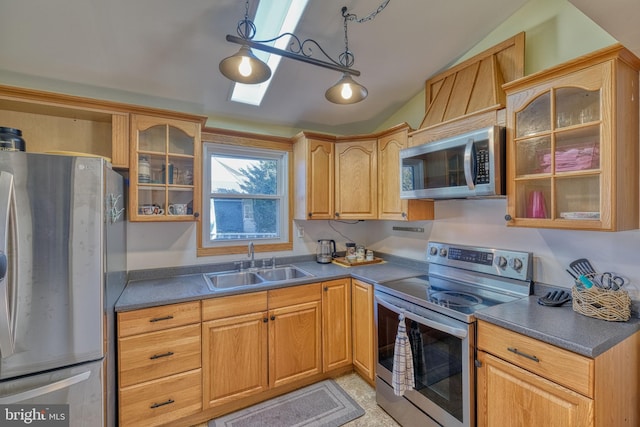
(469,164)
(7,202)
(456,332)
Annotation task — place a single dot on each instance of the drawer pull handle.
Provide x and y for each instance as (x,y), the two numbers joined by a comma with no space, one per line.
(158,356)
(519,353)
(157,405)
(158,319)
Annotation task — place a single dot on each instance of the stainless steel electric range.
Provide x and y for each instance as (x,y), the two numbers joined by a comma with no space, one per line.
(438,309)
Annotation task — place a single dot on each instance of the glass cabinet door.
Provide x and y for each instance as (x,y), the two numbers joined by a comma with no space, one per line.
(165,171)
(557,156)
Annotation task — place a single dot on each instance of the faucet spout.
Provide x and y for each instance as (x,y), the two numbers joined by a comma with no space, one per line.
(251,254)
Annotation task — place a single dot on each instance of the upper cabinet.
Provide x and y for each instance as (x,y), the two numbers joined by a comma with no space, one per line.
(356,172)
(572,149)
(390,205)
(61,123)
(314,176)
(165,169)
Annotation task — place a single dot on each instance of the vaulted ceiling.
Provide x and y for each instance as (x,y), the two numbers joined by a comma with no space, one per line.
(166,52)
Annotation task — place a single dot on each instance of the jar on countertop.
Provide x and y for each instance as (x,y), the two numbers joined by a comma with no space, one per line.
(11,139)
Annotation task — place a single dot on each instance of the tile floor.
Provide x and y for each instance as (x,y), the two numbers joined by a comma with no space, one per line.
(365,396)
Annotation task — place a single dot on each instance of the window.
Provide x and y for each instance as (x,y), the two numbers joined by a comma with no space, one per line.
(245,194)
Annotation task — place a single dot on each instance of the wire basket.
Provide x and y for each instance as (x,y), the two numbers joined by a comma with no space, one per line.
(605,304)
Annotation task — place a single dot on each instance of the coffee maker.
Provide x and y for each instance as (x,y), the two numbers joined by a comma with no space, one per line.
(325,251)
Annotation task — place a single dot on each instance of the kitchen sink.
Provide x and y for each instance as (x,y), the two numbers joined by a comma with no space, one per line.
(234,279)
(282,273)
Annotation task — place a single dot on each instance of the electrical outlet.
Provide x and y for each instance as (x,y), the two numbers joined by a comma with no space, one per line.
(300,232)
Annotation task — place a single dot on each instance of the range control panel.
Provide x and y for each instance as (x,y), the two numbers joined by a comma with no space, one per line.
(500,262)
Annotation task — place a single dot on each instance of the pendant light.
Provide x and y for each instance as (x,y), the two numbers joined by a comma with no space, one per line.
(346,91)
(245,67)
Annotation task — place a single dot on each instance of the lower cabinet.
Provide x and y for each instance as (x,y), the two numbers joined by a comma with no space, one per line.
(364,360)
(523,381)
(253,342)
(336,324)
(159,374)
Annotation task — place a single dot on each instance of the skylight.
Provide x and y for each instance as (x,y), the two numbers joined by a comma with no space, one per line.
(273,17)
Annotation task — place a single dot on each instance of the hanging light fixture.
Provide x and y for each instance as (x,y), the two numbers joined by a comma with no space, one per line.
(245,67)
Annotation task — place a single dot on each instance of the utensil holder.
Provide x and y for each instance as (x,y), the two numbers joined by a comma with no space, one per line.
(604,304)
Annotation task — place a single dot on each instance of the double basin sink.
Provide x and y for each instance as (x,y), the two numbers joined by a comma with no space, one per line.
(234,279)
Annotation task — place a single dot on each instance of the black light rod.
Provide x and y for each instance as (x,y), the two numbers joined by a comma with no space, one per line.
(291,55)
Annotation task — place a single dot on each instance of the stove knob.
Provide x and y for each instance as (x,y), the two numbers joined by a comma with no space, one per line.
(516,264)
(501,262)
(433,251)
(443,252)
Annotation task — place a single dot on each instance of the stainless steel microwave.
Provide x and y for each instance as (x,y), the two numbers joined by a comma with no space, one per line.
(467,165)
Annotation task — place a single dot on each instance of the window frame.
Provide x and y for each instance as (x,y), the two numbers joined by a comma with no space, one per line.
(239,141)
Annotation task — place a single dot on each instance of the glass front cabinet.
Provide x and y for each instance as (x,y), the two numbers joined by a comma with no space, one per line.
(572,155)
(165,169)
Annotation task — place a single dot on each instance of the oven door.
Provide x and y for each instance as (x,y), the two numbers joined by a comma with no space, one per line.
(442,359)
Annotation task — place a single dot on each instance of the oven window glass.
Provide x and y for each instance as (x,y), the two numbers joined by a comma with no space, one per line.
(437,360)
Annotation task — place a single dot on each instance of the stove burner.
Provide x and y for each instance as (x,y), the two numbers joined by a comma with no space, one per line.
(454,299)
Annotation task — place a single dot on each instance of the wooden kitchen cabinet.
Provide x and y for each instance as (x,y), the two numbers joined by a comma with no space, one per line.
(356,177)
(159,359)
(235,350)
(572,135)
(295,339)
(261,340)
(56,122)
(336,324)
(314,176)
(364,360)
(390,205)
(165,169)
(523,381)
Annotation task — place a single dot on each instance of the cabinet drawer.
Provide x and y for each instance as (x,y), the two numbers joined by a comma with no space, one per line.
(158,354)
(235,305)
(161,401)
(158,318)
(294,295)
(569,369)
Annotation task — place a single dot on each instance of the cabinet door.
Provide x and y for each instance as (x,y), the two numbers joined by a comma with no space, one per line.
(320,203)
(295,343)
(165,169)
(510,396)
(356,168)
(363,329)
(336,324)
(569,142)
(234,358)
(390,205)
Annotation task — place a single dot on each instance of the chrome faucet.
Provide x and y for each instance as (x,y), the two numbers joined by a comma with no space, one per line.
(251,255)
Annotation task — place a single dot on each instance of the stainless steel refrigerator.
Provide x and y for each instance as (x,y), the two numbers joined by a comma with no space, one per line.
(62,267)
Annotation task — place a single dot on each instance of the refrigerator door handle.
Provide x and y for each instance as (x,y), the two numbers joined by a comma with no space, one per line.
(7,209)
(45,389)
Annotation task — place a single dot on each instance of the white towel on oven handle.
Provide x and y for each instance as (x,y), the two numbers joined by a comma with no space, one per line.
(402,377)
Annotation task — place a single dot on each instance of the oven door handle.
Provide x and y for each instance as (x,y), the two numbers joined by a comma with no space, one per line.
(451,330)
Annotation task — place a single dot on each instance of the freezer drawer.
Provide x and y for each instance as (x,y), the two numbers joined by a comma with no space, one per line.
(81,387)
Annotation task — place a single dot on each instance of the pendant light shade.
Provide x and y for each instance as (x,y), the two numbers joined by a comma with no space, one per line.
(346,91)
(245,67)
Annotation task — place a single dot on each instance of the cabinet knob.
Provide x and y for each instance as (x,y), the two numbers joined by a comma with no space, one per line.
(507,217)
(273,317)
(265,320)
(326,288)
(196,214)
(309,214)
(337,214)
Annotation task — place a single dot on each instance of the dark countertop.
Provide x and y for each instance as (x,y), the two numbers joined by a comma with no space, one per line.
(560,326)
(144,292)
